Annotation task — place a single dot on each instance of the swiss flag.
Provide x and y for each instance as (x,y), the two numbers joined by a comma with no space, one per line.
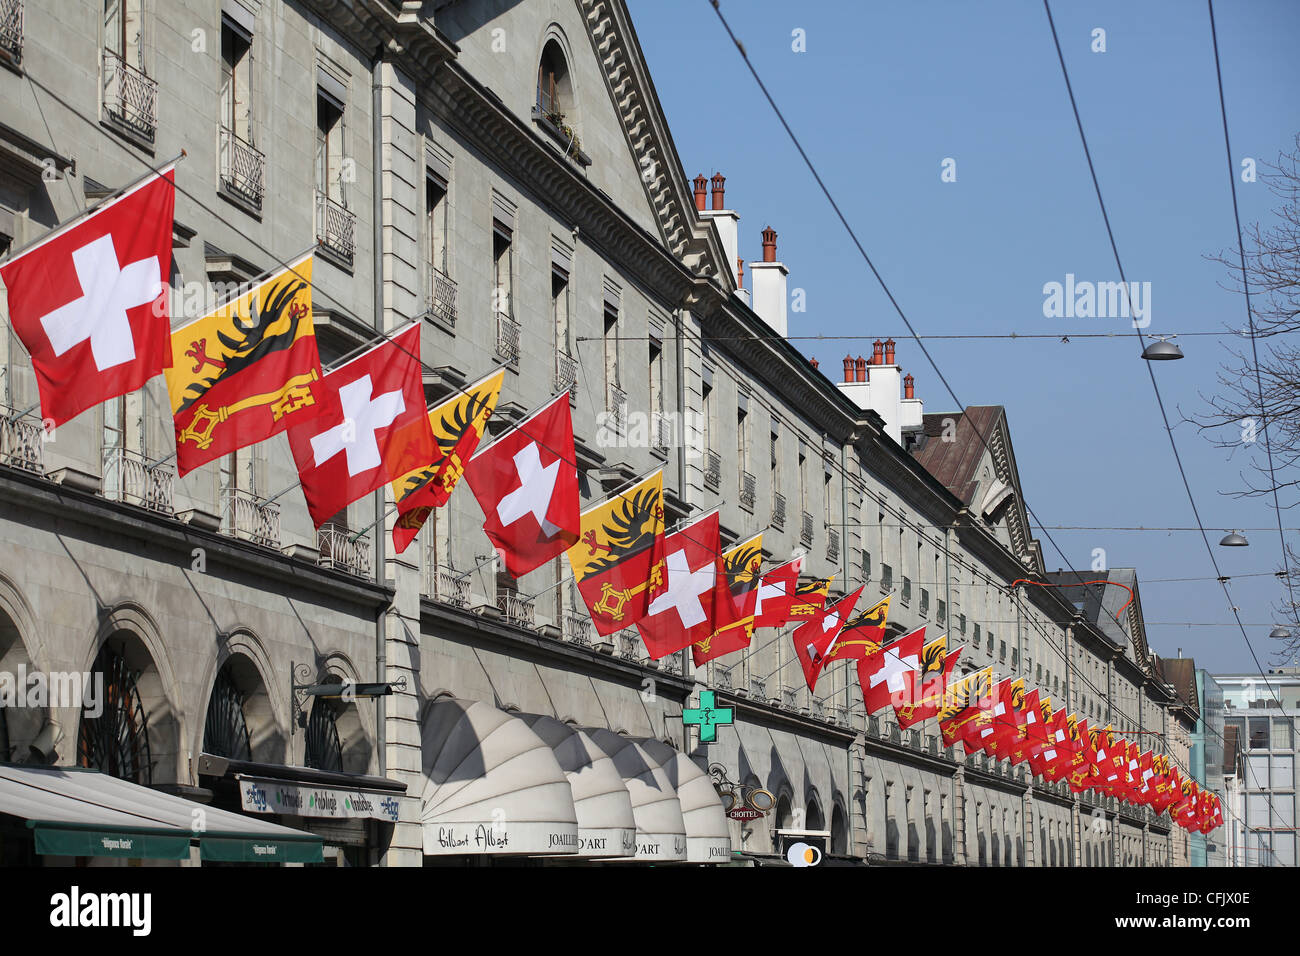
(776,592)
(814,642)
(90,301)
(885,673)
(526,482)
(372,427)
(682,610)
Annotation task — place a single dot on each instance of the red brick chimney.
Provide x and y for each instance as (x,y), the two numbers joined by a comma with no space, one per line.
(877,353)
(769,244)
(814,362)
(908,390)
(701,186)
(862,369)
(889,351)
(740,273)
(719,181)
(848,368)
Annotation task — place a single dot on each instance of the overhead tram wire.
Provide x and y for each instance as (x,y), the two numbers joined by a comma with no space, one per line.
(1173,444)
(1250,316)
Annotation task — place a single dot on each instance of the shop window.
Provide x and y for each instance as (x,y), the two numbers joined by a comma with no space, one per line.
(116,740)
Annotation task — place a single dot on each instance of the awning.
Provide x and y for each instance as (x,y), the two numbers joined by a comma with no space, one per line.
(708,839)
(606,826)
(660,830)
(492,785)
(79,812)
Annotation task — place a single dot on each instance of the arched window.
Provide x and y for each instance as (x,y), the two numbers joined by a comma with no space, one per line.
(554,91)
(839,831)
(324,751)
(225,731)
(116,739)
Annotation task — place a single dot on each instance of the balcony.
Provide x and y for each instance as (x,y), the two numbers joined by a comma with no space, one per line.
(806,529)
(722,677)
(616,405)
(663,433)
(925,603)
(712,470)
(507,338)
(672,663)
(250,518)
(440,299)
(778,511)
(130,477)
(242,169)
(832,544)
(336,227)
(516,608)
(11,31)
(914,739)
(566,373)
(343,550)
(941,612)
(748,489)
(22,442)
(906,596)
(818,709)
(790,698)
(578,627)
(130,99)
(886,579)
(447,586)
(629,646)
(758,688)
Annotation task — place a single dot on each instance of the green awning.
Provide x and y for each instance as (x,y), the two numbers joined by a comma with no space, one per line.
(80,812)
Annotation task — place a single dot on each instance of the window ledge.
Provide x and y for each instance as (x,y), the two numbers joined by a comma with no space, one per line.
(544,123)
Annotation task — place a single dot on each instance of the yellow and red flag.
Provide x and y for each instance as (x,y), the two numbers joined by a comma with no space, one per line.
(618,560)
(245,371)
(458,425)
(809,599)
(922,696)
(735,623)
(863,635)
(966,706)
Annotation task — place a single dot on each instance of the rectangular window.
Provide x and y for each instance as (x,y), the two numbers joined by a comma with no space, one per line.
(1282,734)
(656,368)
(803,478)
(123,30)
(1259,733)
(560,312)
(742,433)
(775,439)
(436,222)
(329,147)
(866,567)
(1283,772)
(502,273)
(236,80)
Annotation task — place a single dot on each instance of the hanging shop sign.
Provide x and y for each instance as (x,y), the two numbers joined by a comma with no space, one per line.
(708,717)
(740,803)
(282,796)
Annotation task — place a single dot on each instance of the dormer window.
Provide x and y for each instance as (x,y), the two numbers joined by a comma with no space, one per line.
(555,109)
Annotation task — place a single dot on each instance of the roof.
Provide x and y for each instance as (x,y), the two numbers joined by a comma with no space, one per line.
(1181,673)
(956,462)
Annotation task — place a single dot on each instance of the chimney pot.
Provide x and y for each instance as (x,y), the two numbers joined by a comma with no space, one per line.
(701,187)
(740,273)
(909,390)
(848,368)
(814,362)
(769,244)
(862,369)
(719,181)
(889,351)
(877,352)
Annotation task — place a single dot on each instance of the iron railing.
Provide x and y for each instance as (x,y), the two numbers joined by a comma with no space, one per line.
(818,709)
(448,586)
(507,338)
(671,663)
(722,676)
(131,478)
(906,596)
(515,607)
(778,510)
(806,529)
(758,688)
(578,627)
(832,544)
(712,469)
(344,550)
(251,518)
(748,490)
(941,611)
(336,227)
(11,30)
(914,739)
(440,302)
(628,646)
(663,437)
(242,168)
(22,442)
(566,373)
(130,97)
(886,578)
(925,602)
(616,404)
(790,698)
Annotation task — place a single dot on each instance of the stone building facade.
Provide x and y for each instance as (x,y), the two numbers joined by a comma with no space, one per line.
(503,173)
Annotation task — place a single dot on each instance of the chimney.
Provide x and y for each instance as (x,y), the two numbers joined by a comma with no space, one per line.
(909,390)
(862,369)
(740,273)
(701,184)
(848,369)
(879,385)
(719,181)
(726,222)
(877,353)
(889,351)
(814,362)
(767,280)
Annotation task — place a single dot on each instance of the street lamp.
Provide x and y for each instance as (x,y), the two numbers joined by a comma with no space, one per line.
(1162,350)
(1279,633)
(1234,540)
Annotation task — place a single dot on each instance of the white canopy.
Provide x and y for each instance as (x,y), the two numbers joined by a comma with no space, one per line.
(707,836)
(660,829)
(492,785)
(606,826)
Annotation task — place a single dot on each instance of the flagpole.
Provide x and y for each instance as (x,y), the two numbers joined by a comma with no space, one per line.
(91,210)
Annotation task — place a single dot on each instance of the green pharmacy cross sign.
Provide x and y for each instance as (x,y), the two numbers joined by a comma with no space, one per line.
(708,716)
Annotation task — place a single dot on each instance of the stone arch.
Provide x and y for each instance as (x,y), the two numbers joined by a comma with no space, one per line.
(839,843)
(265,712)
(555,72)
(350,717)
(21,654)
(813,817)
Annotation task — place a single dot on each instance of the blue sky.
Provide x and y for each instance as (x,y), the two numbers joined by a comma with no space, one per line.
(883,94)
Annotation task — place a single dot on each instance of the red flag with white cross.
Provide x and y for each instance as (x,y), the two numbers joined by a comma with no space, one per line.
(89,302)
(884,674)
(815,642)
(776,594)
(681,612)
(372,427)
(526,482)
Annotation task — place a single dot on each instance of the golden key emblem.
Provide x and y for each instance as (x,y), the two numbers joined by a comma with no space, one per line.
(295,394)
(613,600)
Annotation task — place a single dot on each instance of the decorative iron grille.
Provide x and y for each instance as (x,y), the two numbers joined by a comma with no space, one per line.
(242,168)
(250,518)
(712,469)
(225,731)
(832,544)
(566,373)
(616,404)
(130,97)
(335,228)
(515,607)
(507,338)
(450,586)
(11,30)
(22,442)
(748,490)
(130,477)
(343,549)
(324,751)
(778,510)
(578,627)
(806,529)
(442,298)
(116,741)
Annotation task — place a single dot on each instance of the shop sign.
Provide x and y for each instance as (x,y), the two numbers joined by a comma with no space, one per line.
(273,796)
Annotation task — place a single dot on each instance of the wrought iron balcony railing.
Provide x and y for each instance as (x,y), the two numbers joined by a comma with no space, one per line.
(806,529)
(507,338)
(712,469)
(925,602)
(130,98)
(778,510)
(449,586)
(886,578)
(22,442)
(748,490)
(440,298)
(629,646)
(832,544)
(758,688)
(251,518)
(515,607)
(616,405)
(131,478)
(343,550)
(243,168)
(566,373)
(663,432)
(578,627)
(336,227)
(790,698)
(11,30)
(906,597)
(722,676)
